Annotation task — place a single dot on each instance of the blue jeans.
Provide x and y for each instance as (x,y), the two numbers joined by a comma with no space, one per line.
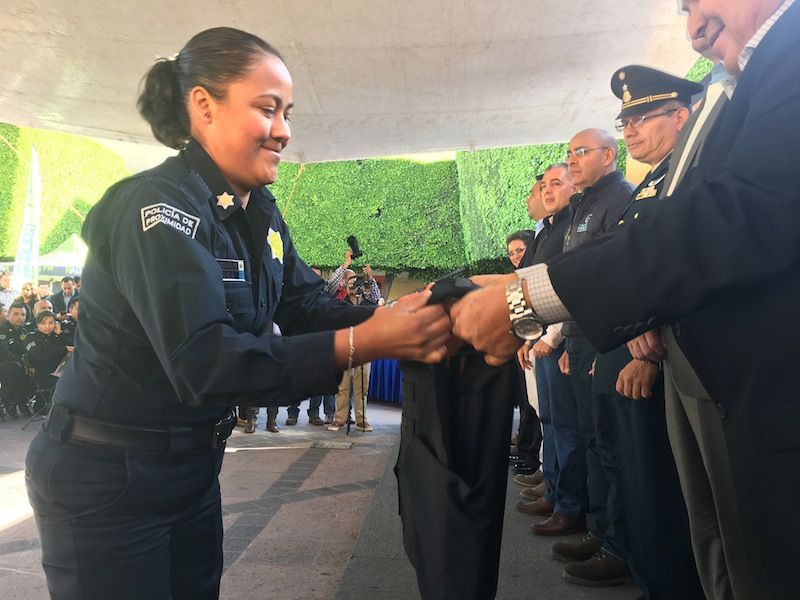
(328,405)
(564,465)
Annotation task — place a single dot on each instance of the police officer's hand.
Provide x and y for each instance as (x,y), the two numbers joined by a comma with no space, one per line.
(409,330)
(348,258)
(481,318)
(563,363)
(636,379)
(542,349)
(648,346)
(523,356)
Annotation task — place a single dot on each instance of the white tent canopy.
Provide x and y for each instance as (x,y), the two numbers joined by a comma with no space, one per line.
(372,77)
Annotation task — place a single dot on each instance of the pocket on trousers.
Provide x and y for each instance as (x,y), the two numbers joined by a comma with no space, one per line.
(84,480)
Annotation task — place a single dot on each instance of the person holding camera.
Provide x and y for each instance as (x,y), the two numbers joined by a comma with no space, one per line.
(359,293)
(337,284)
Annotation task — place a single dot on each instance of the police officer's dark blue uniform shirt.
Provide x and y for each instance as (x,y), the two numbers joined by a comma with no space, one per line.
(181,288)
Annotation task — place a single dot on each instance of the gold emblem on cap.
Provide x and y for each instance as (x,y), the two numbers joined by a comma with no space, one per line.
(626,95)
(225,200)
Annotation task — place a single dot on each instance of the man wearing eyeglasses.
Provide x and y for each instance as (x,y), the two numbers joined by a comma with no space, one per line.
(655,108)
(725,251)
(601,198)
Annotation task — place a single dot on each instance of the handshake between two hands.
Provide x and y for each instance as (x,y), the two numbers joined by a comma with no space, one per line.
(416,330)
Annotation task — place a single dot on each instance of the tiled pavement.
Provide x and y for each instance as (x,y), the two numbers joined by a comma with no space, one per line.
(294,518)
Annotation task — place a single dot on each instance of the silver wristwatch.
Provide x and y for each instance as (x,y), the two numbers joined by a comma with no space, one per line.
(525,324)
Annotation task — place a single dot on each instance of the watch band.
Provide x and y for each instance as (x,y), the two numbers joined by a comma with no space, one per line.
(516,301)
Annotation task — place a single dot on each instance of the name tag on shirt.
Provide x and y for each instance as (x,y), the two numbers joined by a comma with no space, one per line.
(232,269)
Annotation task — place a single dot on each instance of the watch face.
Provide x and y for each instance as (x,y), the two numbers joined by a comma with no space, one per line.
(528,328)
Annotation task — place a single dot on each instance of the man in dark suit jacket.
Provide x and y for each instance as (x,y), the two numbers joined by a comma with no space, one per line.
(60,300)
(727,254)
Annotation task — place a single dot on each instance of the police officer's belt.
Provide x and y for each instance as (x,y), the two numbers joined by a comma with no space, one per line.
(62,424)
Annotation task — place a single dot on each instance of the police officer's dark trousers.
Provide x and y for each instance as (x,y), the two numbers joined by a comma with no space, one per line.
(126,525)
(596,416)
(659,548)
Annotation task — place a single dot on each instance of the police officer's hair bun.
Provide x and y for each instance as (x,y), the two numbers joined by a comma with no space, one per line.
(213,58)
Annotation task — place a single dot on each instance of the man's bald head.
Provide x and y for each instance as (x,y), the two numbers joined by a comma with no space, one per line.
(592,154)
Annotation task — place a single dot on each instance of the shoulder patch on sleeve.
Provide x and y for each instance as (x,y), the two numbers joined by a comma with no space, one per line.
(154,214)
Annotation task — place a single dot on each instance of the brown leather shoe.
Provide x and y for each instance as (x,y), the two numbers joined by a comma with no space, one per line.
(535,492)
(584,549)
(539,507)
(602,570)
(272,426)
(250,425)
(558,524)
(531,480)
(315,420)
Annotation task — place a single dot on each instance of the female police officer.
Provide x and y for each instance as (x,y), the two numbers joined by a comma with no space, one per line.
(189,264)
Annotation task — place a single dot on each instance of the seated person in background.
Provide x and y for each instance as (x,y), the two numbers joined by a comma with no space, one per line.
(38,307)
(27,297)
(44,290)
(45,349)
(69,324)
(358,294)
(62,299)
(7,295)
(15,385)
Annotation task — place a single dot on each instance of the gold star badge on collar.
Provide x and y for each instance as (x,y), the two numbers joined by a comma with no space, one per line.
(225,200)
(275,244)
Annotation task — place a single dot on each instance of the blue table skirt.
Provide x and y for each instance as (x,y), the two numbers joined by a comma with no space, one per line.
(386,381)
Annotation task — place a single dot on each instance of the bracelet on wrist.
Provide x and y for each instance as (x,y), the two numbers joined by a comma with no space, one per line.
(352,344)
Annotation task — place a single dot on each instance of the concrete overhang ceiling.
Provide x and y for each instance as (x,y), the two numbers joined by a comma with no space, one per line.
(372,77)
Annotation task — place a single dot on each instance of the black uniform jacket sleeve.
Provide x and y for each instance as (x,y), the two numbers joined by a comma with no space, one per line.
(730,227)
(155,279)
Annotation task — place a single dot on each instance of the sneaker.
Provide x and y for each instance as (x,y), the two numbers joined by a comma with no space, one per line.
(335,426)
(250,425)
(584,549)
(290,421)
(315,420)
(364,426)
(328,419)
(531,480)
(602,570)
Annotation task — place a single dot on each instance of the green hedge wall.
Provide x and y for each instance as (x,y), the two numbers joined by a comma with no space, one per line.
(9,164)
(404,213)
(700,69)
(493,188)
(75,172)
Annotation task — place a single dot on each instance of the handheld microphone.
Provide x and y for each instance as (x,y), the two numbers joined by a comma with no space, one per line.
(353,243)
